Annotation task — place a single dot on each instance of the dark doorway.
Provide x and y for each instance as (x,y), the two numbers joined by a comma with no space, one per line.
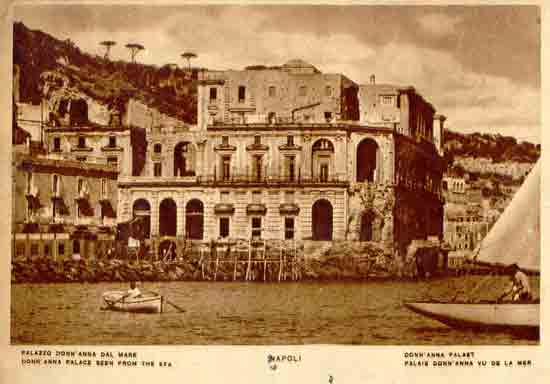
(366,160)
(321,220)
(183,159)
(194,219)
(78,112)
(142,210)
(366,227)
(167,218)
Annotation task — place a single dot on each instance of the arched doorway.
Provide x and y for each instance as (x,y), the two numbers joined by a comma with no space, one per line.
(142,210)
(167,218)
(194,219)
(367,153)
(367,221)
(321,220)
(322,156)
(184,159)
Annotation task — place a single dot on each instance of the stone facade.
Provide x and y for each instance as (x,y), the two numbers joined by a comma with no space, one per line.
(286,153)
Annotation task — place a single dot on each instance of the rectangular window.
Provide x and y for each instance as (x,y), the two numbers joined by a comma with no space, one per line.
(290,141)
(289,228)
(80,186)
(46,250)
(328,90)
(302,91)
(34,249)
(323,174)
(257,140)
(55,185)
(272,91)
(61,249)
(158,169)
(226,167)
(224,227)
(112,141)
(20,249)
(57,144)
(81,142)
(387,100)
(76,246)
(328,117)
(157,148)
(258,167)
(242,93)
(291,161)
(112,160)
(103,188)
(213,94)
(256,228)
(225,140)
(29,183)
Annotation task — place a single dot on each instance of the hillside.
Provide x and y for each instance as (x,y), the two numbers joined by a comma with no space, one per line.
(500,149)
(171,90)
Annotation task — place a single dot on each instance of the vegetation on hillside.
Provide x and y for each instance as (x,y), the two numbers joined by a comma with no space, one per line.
(493,146)
(171,90)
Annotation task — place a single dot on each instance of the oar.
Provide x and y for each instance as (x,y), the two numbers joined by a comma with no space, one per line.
(174,305)
(169,302)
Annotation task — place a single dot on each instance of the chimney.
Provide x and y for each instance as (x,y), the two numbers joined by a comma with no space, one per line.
(372,79)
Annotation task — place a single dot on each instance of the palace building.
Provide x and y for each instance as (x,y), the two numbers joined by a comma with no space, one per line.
(286,153)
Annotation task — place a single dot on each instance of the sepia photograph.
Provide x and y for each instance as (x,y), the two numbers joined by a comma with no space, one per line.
(282,174)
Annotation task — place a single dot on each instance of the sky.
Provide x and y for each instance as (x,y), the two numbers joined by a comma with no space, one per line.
(478,65)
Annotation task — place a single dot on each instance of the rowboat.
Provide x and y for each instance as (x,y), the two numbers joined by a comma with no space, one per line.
(147,302)
(514,239)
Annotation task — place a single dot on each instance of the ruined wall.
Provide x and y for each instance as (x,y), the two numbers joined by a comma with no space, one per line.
(419,204)
(138,114)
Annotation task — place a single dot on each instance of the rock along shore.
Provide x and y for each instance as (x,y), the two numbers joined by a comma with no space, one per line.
(324,264)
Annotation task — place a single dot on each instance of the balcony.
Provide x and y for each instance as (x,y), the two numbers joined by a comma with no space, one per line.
(271,180)
(233,180)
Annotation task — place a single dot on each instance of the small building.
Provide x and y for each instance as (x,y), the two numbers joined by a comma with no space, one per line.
(62,208)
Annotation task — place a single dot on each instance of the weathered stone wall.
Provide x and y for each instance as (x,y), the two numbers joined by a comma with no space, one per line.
(42,188)
(273,91)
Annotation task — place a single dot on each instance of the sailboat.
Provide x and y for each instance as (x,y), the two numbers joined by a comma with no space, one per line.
(514,239)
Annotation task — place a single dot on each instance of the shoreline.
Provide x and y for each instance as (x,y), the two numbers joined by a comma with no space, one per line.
(334,269)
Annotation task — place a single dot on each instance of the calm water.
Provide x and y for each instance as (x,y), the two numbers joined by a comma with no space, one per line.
(245,313)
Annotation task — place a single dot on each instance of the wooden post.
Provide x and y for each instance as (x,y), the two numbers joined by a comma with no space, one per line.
(217,263)
(235,264)
(280,264)
(247,275)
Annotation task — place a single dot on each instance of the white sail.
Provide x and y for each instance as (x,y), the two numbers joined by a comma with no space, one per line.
(515,237)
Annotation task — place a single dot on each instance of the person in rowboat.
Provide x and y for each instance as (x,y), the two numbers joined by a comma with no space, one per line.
(519,288)
(133,292)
